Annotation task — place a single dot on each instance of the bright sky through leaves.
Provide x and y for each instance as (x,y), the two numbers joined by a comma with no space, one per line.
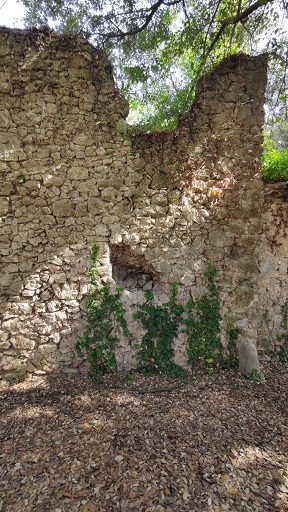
(11,13)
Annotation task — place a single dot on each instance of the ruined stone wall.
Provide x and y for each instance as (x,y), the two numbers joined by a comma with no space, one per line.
(160,205)
(273,265)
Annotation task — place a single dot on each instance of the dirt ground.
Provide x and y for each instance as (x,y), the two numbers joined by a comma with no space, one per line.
(212,443)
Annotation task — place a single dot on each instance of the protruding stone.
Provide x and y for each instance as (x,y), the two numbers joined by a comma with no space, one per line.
(248,358)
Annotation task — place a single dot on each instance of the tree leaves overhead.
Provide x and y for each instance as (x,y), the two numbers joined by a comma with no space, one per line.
(160,47)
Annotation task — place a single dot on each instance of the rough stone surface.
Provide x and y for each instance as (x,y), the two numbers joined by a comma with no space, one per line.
(248,357)
(159,205)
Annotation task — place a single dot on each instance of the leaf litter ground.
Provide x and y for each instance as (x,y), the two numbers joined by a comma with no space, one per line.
(213,443)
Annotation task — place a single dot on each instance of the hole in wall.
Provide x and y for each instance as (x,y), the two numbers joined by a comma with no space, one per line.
(131,271)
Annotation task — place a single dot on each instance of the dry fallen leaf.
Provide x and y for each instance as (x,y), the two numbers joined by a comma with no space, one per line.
(218,444)
(90,507)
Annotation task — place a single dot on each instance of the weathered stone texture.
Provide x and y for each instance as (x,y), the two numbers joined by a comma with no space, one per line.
(248,358)
(273,265)
(160,205)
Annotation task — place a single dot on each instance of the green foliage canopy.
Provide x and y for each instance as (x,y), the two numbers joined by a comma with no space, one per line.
(275,163)
(160,47)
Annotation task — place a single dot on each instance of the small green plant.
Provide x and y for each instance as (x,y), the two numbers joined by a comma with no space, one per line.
(187,380)
(274,162)
(283,355)
(128,379)
(155,353)
(104,317)
(258,376)
(21,179)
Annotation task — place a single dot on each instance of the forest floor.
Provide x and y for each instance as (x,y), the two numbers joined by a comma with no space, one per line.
(211,443)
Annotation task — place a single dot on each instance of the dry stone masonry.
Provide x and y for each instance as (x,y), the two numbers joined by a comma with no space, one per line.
(159,205)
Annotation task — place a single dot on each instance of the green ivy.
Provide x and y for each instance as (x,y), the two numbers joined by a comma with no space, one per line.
(155,353)
(258,376)
(104,317)
(200,320)
(202,326)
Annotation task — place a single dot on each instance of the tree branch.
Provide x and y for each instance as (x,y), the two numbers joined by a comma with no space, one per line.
(242,15)
(154,8)
(210,24)
(233,20)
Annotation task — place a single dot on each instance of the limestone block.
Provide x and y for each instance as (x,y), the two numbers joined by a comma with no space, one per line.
(6,188)
(28,293)
(111,219)
(52,180)
(131,238)
(59,277)
(32,283)
(6,280)
(155,211)
(4,336)
(63,208)
(68,291)
(48,220)
(245,267)
(14,154)
(22,308)
(245,297)
(4,206)
(191,214)
(5,85)
(11,325)
(53,305)
(137,163)
(13,285)
(116,237)
(220,239)
(77,173)
(160,199)
(40,325)
(109,194)
(51,109)
(81,210)
(187,279)
(237,228)
(72,306)
(248,357)
(180,351)
(10,363)
(5,119)
(46,349)
(101,229)
(65,346)
(4,345)
(247,243)
(121,126)
(22,343)
(96,206)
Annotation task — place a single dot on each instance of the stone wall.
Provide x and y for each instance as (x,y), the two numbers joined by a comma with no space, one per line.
(273,265)
(159,205)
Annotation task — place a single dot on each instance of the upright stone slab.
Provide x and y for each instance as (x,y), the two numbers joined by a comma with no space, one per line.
(248,358)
